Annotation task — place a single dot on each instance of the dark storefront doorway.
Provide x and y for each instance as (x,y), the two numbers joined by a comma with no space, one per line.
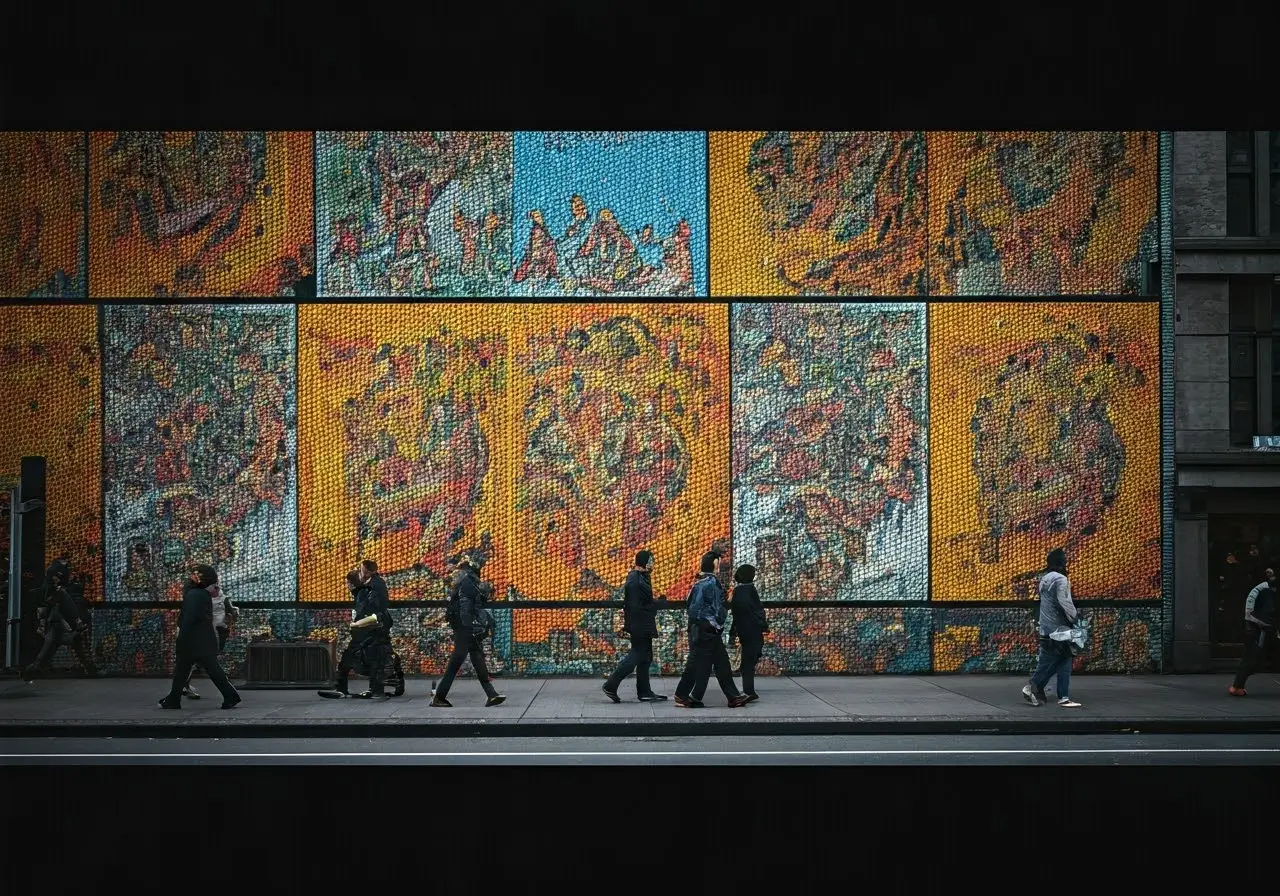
(1241,547)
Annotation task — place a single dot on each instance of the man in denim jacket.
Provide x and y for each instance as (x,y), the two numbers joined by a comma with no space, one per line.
(707,615)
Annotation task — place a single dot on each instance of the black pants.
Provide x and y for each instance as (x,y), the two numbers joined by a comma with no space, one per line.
(751,650)
(706,651)
(222,645)
(56,636)
(182,666)
(463,645)
(376,654)
(638,659)
(1257,644)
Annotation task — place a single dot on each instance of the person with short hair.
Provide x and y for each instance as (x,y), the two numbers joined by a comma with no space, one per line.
(198,643)
(639,612)
(465,600)
(707,615)
(1259,630)
(749,626)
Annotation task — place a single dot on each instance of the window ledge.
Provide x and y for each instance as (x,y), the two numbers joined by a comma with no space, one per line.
(1227,244)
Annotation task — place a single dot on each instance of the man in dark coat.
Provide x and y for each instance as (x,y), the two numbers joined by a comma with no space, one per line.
(198,642)
(638,622)
(371,624)
(464,600)
(707,615)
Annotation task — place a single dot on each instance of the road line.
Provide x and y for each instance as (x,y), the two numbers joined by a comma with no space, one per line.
(637,753)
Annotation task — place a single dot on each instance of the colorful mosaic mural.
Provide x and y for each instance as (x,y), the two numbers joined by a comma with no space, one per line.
(602,213)
(1040,214)
(224,214)
(837,213)
(830,448)
(42,215)
(50,407)
(1044,434)
(861,640)
(414,213)
(1006,639)
(201,438)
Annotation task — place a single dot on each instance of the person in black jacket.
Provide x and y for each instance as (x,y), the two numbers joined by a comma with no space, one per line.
(198,642)
(371,624)
(468,630)
(638,622)
(749,625)
(1259,630)
(61,621)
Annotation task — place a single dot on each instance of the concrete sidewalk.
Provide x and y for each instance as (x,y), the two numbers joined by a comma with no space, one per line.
(575,706)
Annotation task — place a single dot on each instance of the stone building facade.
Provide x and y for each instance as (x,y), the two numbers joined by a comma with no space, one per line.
(1226,229)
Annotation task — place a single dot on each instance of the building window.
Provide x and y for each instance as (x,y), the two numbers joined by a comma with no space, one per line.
(1253,183)
(1253,358)
(1241,217)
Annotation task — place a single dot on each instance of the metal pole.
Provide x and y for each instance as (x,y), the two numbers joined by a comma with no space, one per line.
(13,627)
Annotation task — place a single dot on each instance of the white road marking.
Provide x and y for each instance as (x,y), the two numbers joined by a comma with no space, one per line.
(633,754)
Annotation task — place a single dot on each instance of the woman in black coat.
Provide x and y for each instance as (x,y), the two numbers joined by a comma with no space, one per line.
(198,642)
(749,626)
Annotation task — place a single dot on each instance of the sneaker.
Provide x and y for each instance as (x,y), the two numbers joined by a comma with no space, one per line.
(334,694)
(190,693)
(652,698)
(1030,695)
(1236,692)
(370,695)
(738,700)
(440,701)
(751,698)
(1067,702)
(496,700)
(688,702)
(166,703)
(29,674)
(612,695)
(232,704)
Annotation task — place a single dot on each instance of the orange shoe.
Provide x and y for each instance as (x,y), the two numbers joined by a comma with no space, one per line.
(1236,692)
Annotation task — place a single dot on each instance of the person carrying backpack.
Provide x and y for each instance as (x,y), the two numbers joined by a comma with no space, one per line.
(471,622)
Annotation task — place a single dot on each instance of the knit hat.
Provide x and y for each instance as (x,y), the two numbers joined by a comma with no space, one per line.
(643,558)
(207,575)
(745,574)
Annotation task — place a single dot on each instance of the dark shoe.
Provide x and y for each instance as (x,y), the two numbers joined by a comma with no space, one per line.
(737,701)
(166,703)
(612,695)
(751,698)
(190,693)
(399,691)
(370,695)
(335,694)
(496,700)
(440,701)
(652,698)
(688,702)
(1236,692)
(232,704)
(29,674)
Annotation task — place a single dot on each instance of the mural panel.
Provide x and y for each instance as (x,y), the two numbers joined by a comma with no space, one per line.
(42,215)
(1005,639)
(861,640)
(1046,421)
(50,407)
(403,415)
(621,421)
(610,213)
(201,439)
(414,213)
(830,446)
(201,213)
(1042,213)
(838,213)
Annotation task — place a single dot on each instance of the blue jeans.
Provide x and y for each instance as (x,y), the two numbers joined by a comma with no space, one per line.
(1055,659)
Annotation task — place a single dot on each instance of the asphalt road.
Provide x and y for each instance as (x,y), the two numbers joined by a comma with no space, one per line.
(971,750)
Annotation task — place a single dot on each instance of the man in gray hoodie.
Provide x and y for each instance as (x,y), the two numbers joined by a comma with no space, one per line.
(1056,611)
